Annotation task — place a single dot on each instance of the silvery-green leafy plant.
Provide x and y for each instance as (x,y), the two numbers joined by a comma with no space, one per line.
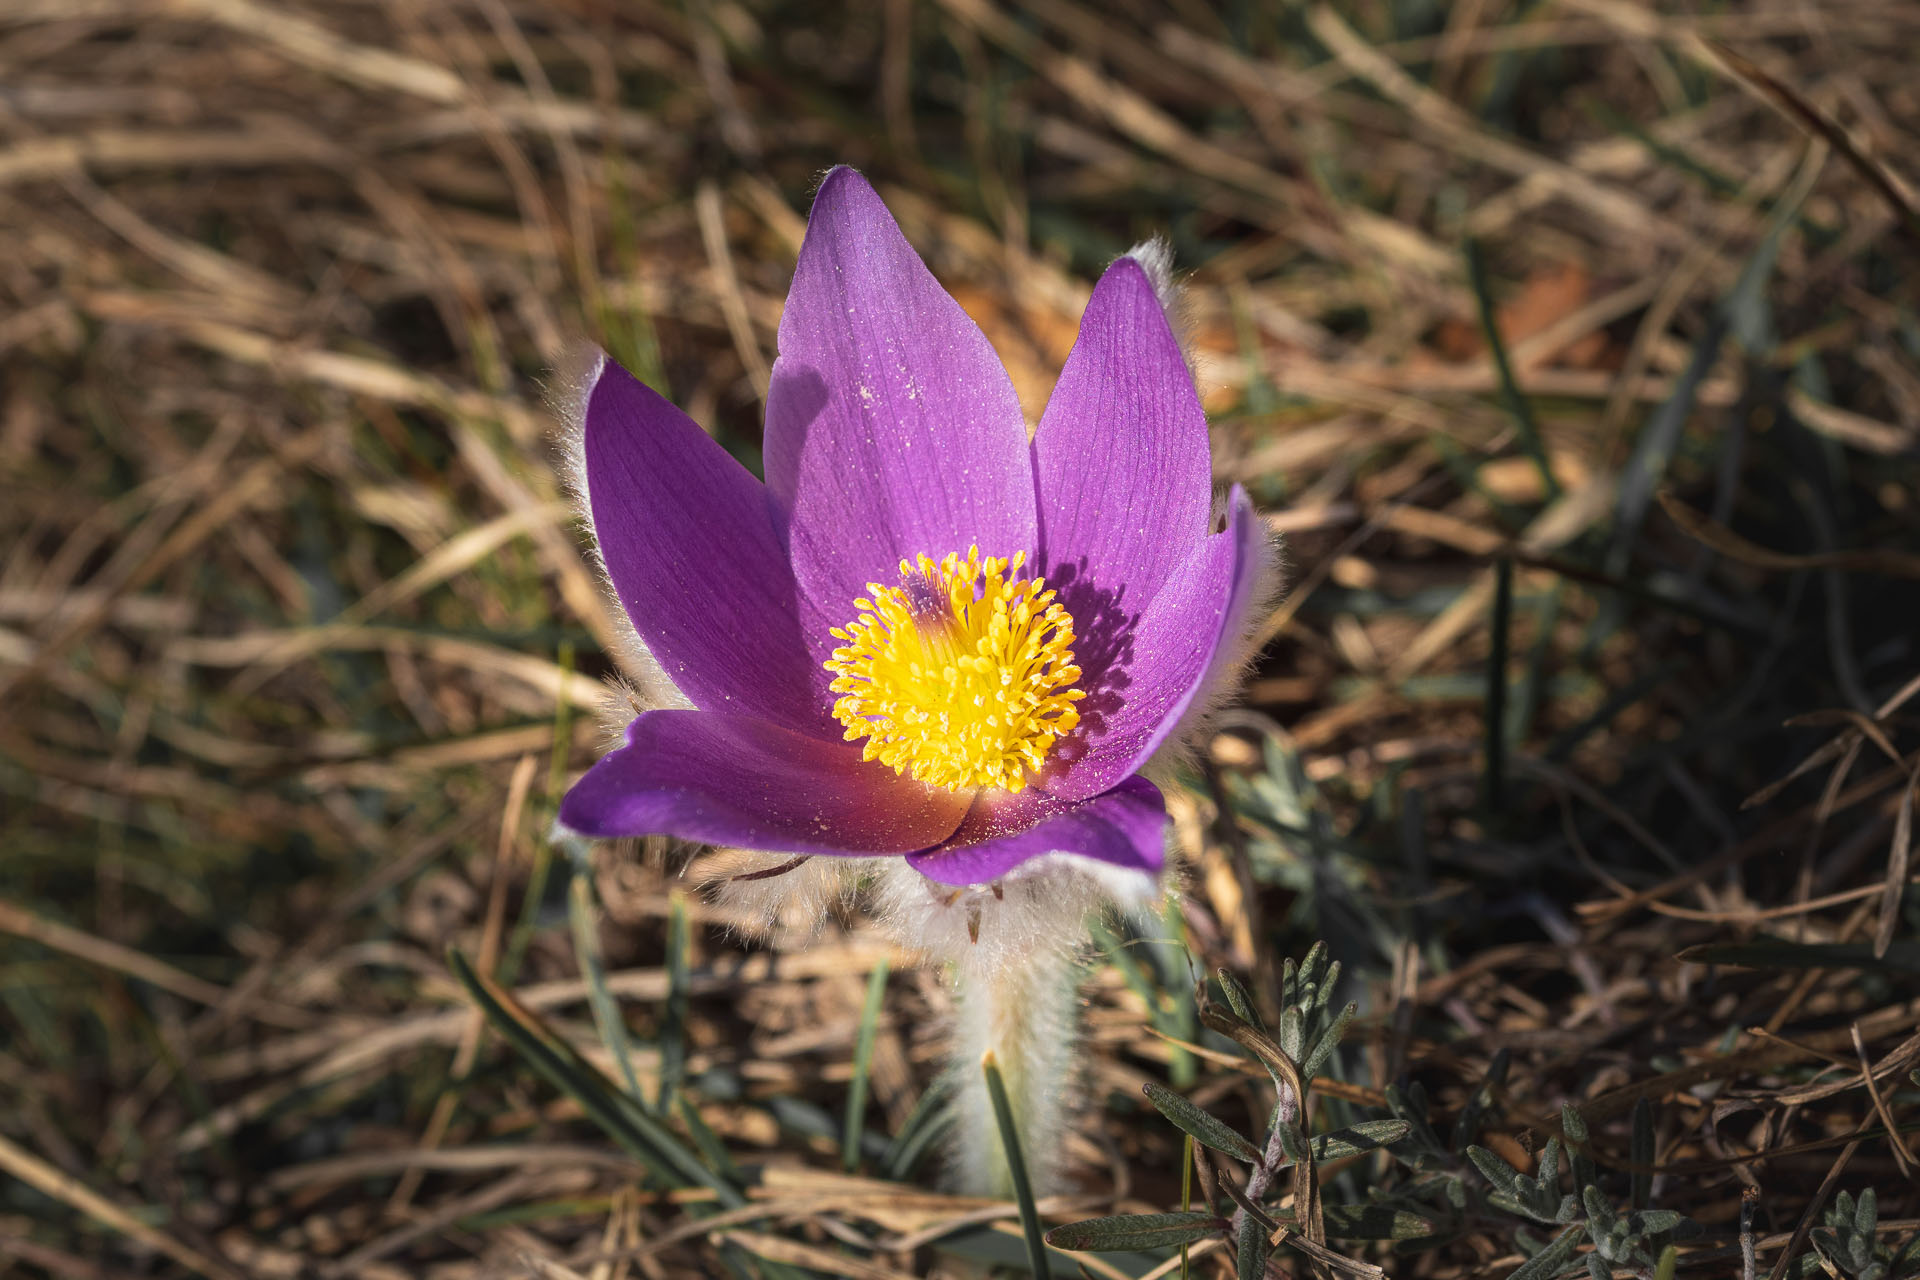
(1848,1242)
(1632,1239)
(1283,1160)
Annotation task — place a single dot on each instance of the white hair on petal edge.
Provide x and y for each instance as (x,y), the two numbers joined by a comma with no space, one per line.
(569,388)
(1231,662)
(1155,257)
(1236,653)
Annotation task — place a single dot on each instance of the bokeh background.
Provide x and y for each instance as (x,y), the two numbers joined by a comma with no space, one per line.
(1586,736)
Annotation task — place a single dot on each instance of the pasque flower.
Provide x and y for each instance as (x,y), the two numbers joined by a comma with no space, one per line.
(926,634)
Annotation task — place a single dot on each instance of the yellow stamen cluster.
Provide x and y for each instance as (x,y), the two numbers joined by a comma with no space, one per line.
(960,675)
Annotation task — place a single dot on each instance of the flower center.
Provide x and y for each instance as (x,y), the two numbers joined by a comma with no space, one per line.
(960,675)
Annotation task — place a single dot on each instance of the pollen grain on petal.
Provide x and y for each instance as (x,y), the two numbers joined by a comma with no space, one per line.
(962,675)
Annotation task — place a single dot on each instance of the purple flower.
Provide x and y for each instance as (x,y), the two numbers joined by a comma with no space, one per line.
(925,635)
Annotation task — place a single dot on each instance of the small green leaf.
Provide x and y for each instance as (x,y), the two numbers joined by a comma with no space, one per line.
(1497,1171)
(1293,1031)
(673,1027)
(1254,1249)
(1599,1213)
(1136,1231)
(1239,1000)
(586,946)
(1765,952)
(1651,1222)
(1467,1126)
(706,1140)
(1203,1127)
(1329,1041)
(929,1119)
(1369,1135)
(1550,1261)
(1385,1221)
(1293,1141)
(620,1114)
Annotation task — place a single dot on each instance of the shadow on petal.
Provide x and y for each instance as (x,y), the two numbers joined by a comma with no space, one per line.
(1102,647)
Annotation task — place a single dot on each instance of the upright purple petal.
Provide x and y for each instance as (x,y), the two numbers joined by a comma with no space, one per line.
(1167,655)
(1125,827)
(734,780)
(1121,464)
(690,541)
(892,428)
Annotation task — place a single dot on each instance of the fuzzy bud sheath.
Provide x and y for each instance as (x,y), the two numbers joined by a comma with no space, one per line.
(1012,955)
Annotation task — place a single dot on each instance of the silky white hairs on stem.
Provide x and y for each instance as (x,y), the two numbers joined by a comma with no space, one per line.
(1016,952)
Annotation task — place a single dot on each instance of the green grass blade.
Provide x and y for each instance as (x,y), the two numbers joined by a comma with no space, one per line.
(620,1116)
(1495,783)
(1523,422)
(1016,1168)
(862,1060)
(586,950)
(924,1125)
(673,1028)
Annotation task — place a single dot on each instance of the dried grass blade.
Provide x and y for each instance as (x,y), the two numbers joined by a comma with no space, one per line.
(1791,103)
(813,1257)
(70,1191)
(1697,525)
(1899,857)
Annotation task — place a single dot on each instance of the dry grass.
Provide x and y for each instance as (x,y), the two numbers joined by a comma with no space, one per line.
(298,647)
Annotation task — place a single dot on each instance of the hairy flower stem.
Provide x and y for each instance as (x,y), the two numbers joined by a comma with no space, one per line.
(1021,1007)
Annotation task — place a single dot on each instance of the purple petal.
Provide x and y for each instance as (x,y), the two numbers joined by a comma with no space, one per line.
(1126,827)
(690,541)
(892,428)
(1162,659)
(734,780)
(1121,464)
